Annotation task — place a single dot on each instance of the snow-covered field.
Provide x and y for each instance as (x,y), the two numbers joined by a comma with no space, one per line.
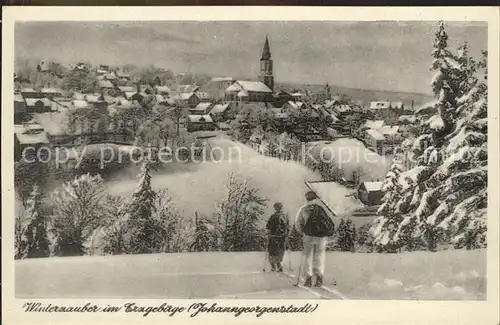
(445,275)
(198,187)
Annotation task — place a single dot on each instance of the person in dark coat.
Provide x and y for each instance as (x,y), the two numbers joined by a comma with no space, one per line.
(278,227)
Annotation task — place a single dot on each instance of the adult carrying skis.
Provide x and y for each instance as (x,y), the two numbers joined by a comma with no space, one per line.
(278,227)
(316,225)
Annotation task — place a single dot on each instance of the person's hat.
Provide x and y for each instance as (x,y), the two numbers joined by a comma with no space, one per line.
(311,196)
(278,206)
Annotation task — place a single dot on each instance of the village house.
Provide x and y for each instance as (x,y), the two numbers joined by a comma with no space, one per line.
(187,88)
(162,90)
(200,123)
(30,93)
(124,76)
(186,100)
(380,137)
(50,93)
(370,193)
(26,136)
(222,112)
(249,91)
(201,109)
(37,105)
(387,111)
(103,69)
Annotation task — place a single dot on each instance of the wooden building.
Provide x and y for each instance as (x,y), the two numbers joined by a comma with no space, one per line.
(370,193)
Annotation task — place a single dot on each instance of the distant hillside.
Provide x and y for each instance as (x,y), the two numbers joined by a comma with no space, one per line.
(364,96)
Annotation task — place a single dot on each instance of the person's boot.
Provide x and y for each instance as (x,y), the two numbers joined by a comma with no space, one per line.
(319,281)
(279,268)
(273,268)
(308,282)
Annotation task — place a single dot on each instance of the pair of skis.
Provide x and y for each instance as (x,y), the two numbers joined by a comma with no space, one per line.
(326,293)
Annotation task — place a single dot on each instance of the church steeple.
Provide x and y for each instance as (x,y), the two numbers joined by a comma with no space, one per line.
(266,53)
(266,66)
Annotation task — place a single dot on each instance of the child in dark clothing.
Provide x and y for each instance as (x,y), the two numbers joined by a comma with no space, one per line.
(278,228)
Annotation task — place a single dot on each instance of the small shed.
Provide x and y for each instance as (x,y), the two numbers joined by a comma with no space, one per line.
(370,193)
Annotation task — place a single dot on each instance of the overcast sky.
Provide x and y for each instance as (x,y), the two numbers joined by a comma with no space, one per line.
(370,55)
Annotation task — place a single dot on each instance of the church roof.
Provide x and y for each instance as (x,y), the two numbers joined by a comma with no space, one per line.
(266,53)
(249,86)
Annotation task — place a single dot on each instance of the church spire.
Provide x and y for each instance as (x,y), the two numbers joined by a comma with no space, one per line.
(266,53)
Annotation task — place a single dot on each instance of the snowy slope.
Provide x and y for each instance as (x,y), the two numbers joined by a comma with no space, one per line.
(445,275)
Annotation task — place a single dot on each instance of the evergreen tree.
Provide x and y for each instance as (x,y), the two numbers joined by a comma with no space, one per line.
(387,222)
(142,226)
(451,156)
(35,236)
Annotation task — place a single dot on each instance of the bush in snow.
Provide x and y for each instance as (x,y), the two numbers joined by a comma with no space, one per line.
(449,198)
(114,224)
(346,236)
(238,222)
(77,211)
(175,234)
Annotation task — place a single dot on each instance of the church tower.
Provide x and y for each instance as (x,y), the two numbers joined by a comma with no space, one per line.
(266,67)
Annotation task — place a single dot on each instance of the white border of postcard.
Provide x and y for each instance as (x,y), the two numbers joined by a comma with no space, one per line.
(335,312)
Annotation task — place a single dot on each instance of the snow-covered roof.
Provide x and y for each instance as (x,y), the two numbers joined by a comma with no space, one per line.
(388,130)
(201,107)
(93,98)
(219,108)
(375,134)
(186,96)
(162,89)
(200,119)
(373,124)
(78,96)
(373,186)
(78,103)
(31,134)
(106,84)
(380,105)
(242,93)
(33,101)
(249,86)
(221,79)
(49,91)
(187,88)
(297,95)
(18,98)
(126,89)
(110,76)
(122,74)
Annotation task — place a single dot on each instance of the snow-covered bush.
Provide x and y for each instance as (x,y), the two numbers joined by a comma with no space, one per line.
(77,212)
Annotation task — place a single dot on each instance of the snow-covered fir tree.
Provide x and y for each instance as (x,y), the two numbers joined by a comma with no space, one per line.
(448,200)
(388,220)
(35,240)
(141,224)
